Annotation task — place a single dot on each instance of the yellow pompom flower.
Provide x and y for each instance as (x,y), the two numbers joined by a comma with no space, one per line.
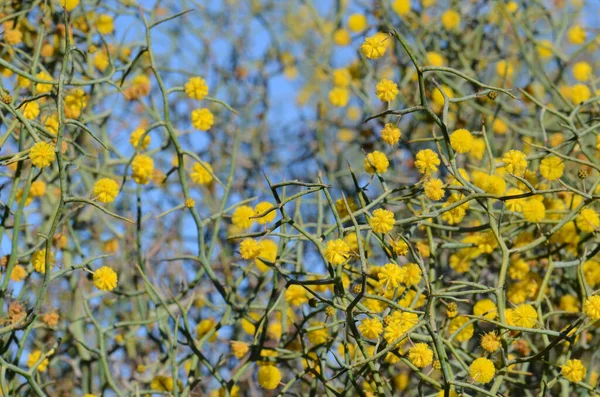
(296,295)
(434,189)
(249,248)
(268,252)
(390,275)
(69,5)
(374,47)
(37,189)
(239,349)
(515,162)
(101,61)
(31,110)
(573,370)
(545,48)
(42,88)
(576,35)
(524,316)
(580,93)
(341,77)
(371,328)
(435,59)
(482,370)
(164,383)
(505,69)
(591,307)
(450,19)
(196,88)
(357,22)
(106,190)
(51,123)
(105,279)
(427,161)
(499,127)
(42,154)
(204,327)
(411,273)
(339,96)
(391,134)
(34,357)
(202,119)
(490,342)
(420,355)
(38,260)
(401,7)
(142,168)
(241,217)
(136,136)
(466,333)
(269,377)
(552,168)
(485,308)
(582,71)
(587,220)
(260,209)
(202,173)
(386,90)
(13,36)
(382,221)
(376,162)
(105,24)
(341,37)
(337,251)
(461,141)
(533,210)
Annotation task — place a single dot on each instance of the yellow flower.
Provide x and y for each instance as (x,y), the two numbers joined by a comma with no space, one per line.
(18,273)
(249,248)
(42,154)
(142,167)
(427,161)
(515,162)
(42,88)
(260,209)
(411,273)
(504,69)
(371,328)
(239,349)
(587,220)
(376,162)
(569,303)
(524,316)
(206,326)
(434,189)
(545,48)
(494,184)
(342,37)
(357,22)
(390,275)
(105,24)
(374,47)
(337,251)
(382,221)
(580,93)
(339,96)
(135,137)
(386,90)
(75,102)
(38,260)
(391,134)
(582,71)
(106,190)
(296,295)
(552,168)
(34,357)
(592,307)
(499,127)
(490,342)
(101,60)
(533,210)
(319,334)
(482,370)
(461,141)
(435,59)
(105,279)
(341,77)
(196,88)
(268,251)
(576,35)
(31,110)
(485,308)
(450,19)
(400,247)
(269,377)
(164,383)
(573,370)
(202,119)
(13,36)
(241,216)
(466,333)
(202,173)
(401,7)
(69,5)
(420,355)
(51,123)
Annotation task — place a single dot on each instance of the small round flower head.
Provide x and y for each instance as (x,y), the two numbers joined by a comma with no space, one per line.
(69,5)
(337,251)
(249,248)
(580,93)
(552,168)
(515,162)
(374,47)
(376,162)
(268,252)
(239,349)
(13,36)
(386,90)
(524,316)
(105,279)
(390,275)
(573,370)
(461,141)
(587,220)
(533,210)
(400,247)
(582,71)
(391,134)
(341,77)
(371,328)
(357,22)
(206,326)
(382,221)
(202,173)
(136,139)
(411,274)
(494,184)
(486,308)
(202,119)
(420,355)
(296,295)
(457,323)
(427,161)
(241,217)
(38,260)
(505,69)
(576,35)
(34,357)
(490,342)
(42,88)
(260,209)
(482,370)
(435,59)
(269,377)
(189,203)
(18,273)
(105,24)
(42,154)
(434,189)
(142,167)
(341,37)
(339,96)
(106,190)
(451,310)
(196,88)
(591,307)
(450,19)
(37,189)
